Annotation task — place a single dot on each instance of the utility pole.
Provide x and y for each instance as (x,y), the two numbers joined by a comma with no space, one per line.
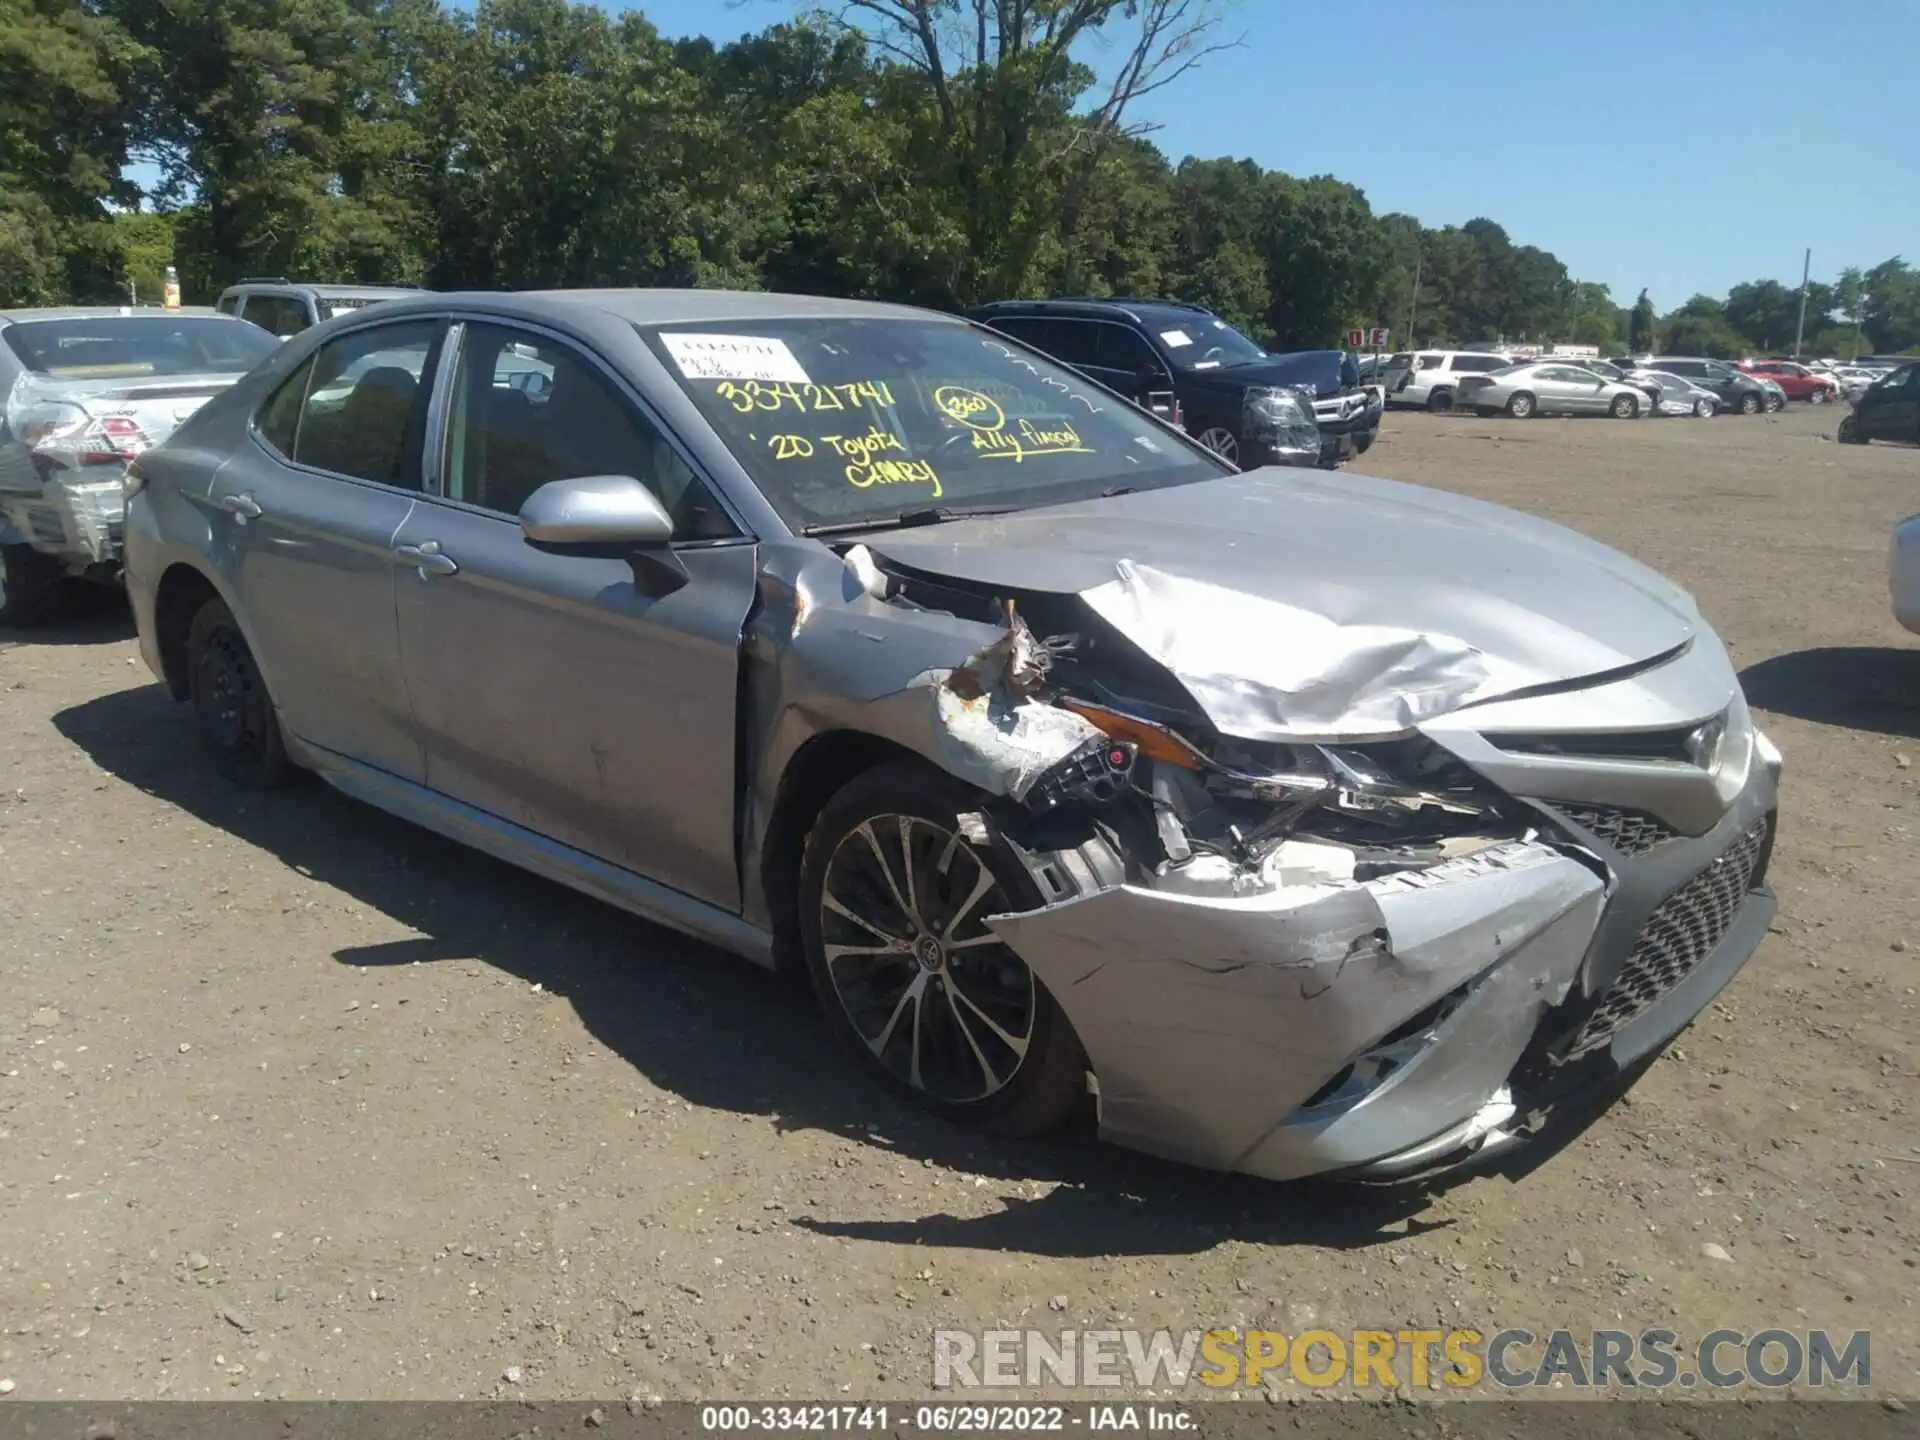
(1413,301)
(1800,330)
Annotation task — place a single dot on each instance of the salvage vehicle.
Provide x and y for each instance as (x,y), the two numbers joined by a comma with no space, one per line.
(82,391)
(1796,381)
(1532,389)
(1748,394)
(1675,394)
(1234,397)
(1888,409)
(1431,379)
(286,307)
(1307,823)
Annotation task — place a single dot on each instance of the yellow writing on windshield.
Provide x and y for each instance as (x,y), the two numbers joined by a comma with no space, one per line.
(747,396)
(863,475)
(969,407)
(858,447)
(1029,442)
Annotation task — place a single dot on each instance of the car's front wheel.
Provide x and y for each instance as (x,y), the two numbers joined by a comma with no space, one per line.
(230,699)
(893,907)
(1774,402)
(1222,441)
(1817,396)
(1850,432)
(1704,408)
(1624,407)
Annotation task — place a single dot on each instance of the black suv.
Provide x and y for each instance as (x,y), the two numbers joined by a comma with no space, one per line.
(1736,391)
(1888,409)
(1149,349)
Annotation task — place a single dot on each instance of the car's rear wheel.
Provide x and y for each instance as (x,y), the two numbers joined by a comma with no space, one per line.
(1749,404)
(933,1004)
(1624,407)
(1440,401)
(1520,405)
(33,587)
(230,699)
(1850,432)
(1222,441)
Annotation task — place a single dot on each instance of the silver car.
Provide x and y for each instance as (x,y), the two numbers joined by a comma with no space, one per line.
(1308,822)
(82,391)
(1550,389)
(1675,394)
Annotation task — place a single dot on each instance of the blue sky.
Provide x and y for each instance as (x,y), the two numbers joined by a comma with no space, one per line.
(1683,145)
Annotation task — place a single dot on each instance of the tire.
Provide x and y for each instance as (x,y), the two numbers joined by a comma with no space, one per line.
(995,1076)
(33,587)
(1521,405)
(1775,405)
(1624,407)
(1817,396)
(1849,432)
(1439,402)
(230,700)
(1704,409)
(1749,404)
(1222,441)
(1363,441)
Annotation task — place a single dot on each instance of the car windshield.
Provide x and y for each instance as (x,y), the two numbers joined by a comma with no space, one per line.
(844,422)
(1203,342)
(107,346)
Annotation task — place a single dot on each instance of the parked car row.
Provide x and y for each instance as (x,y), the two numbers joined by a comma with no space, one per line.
(880,643)
(1491,382)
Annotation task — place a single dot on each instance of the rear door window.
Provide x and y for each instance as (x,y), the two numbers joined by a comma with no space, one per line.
(1123,349)
(365,404)
(1076,342)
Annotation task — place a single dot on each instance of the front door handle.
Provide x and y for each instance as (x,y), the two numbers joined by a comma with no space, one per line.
(426,558)
(243,506)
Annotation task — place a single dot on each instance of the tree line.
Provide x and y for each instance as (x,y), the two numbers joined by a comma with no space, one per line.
(938,152)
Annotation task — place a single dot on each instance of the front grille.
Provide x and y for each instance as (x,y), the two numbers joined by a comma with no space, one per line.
(1631,832)
(1681,933)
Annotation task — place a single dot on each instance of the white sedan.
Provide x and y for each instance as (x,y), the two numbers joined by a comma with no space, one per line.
(1903,572)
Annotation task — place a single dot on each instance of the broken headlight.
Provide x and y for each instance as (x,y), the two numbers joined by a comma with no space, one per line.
(1280,421)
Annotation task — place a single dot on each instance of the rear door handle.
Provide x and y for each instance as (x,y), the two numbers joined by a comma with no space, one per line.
(426,558)
(244,506)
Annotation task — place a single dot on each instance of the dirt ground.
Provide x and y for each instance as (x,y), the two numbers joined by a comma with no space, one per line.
(296,1100)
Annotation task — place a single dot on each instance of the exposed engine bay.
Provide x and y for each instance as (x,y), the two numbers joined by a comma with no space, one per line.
(1193,810)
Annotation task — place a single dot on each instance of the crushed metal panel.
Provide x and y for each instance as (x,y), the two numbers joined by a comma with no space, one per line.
(1209,1020)
(1315,678)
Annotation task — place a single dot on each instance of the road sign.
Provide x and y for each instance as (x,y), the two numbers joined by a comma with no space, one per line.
(1356,339)
(1379,338)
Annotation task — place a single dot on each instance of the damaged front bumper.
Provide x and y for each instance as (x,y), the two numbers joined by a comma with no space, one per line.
(1401,1024)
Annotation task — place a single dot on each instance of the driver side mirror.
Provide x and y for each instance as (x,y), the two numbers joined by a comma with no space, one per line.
(609,516)
(1153,377)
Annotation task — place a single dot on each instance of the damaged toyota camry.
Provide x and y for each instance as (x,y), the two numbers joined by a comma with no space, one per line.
(1306,822)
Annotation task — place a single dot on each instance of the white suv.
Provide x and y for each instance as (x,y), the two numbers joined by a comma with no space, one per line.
(1430,377)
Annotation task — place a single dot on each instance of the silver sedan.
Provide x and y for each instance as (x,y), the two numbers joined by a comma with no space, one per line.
(1676,395)
(1550,389)
(1296,822)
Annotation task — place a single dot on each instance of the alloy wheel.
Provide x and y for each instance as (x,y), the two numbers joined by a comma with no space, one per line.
(934,994)
(1222,442)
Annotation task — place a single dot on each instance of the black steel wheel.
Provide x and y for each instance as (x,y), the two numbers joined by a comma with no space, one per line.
(230,699)
(893,908)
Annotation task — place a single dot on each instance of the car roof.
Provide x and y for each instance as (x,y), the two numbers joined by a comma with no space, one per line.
(661,307)
(325,292)
(1165,311)
(84,312)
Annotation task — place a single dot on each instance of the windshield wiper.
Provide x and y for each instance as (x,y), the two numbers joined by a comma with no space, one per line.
(918,515)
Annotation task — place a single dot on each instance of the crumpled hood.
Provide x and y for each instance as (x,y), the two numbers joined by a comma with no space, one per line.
(1295,605)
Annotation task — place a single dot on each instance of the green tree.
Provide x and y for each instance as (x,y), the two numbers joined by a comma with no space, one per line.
(1640,335)
(64,67)
(1890,307)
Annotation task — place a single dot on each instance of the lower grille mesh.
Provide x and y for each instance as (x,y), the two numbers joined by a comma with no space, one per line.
(1681,933)
(1631,832)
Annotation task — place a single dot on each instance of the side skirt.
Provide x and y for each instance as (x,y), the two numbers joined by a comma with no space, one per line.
(531,851)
